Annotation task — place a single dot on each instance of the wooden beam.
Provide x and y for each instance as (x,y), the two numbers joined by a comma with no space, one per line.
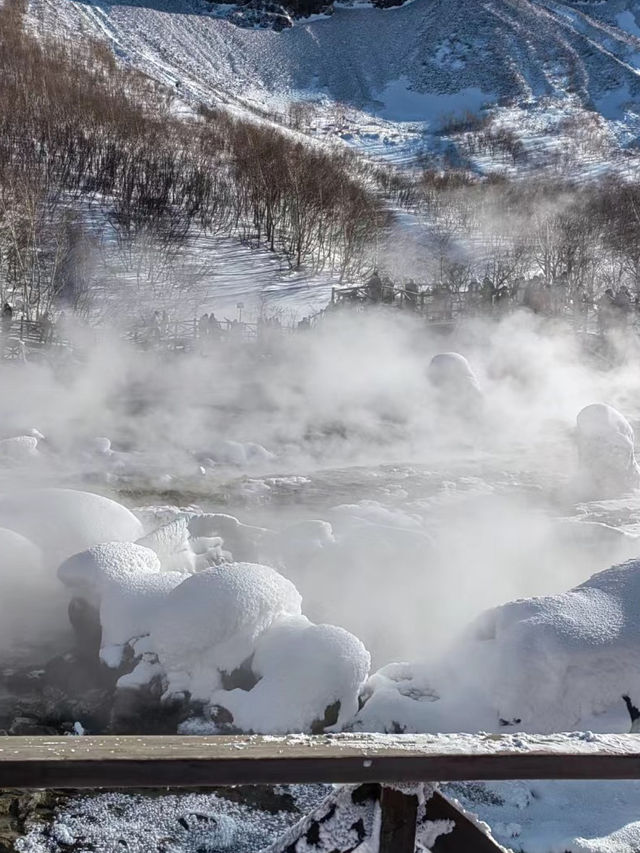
(399,815)
(121,762)
(465,835)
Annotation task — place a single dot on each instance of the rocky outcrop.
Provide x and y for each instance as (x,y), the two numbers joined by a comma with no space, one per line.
(281,16)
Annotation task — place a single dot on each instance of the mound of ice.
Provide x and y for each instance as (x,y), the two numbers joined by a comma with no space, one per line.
(210,623)
(607,460)
(63,522)
(304,671)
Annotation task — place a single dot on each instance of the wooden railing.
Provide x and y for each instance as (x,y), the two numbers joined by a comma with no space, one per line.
(382,760)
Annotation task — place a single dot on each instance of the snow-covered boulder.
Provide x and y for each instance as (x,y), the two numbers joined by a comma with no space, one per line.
(559,662)
(550,664)
(125,583)
(455,385)
(306,671)
(63,522)
(210,623)
(606,453)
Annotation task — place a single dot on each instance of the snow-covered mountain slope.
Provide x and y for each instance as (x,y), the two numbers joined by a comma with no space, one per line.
(394,72)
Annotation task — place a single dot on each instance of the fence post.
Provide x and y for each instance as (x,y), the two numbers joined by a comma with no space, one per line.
(399,816)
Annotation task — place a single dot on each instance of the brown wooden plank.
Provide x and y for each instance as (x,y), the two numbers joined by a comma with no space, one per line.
(465,837)
(75,762)
(398,827)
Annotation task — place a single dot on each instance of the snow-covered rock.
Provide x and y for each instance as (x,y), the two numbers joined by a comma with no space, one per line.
(125,582)
(210,623)
(304,670)
(555,663)
(559,662)
(62,522)
(455,385)
(606,453)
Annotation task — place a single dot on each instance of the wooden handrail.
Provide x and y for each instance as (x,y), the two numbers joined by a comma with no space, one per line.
(377,762)
(183,761)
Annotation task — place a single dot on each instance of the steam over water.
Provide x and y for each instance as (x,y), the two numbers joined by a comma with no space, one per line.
(398,506)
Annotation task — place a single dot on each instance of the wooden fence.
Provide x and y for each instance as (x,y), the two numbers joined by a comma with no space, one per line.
(382,760)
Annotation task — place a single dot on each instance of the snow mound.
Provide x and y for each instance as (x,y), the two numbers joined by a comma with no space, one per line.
(561,660)
(210,623)
(455,385)
(125,582)
(63,522)
(550,664)
(304,670)
(91,572)
(606,451)
(179,551)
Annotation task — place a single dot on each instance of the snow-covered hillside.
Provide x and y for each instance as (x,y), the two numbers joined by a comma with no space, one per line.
(384,79)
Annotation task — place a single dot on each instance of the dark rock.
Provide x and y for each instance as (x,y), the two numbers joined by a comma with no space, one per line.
(140,711)
(85,621)
(30,726)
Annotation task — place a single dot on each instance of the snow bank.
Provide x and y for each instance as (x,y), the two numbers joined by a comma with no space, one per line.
(210,623)
(605,439)
(304,669)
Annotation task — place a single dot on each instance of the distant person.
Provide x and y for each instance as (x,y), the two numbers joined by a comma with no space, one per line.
(7,318)
(156,325)
(47,327)
(203,326)
(374,287)
(606,311)
(411,292)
